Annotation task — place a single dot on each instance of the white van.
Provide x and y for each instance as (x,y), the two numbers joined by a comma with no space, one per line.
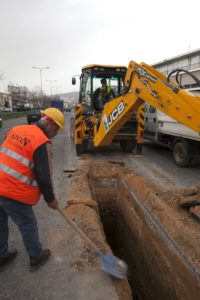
(165,131)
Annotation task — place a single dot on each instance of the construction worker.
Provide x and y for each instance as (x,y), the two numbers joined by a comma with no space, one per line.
(25,174)
(104,94)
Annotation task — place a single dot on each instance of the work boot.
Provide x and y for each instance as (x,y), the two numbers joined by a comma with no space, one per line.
(38,261)
(8,258)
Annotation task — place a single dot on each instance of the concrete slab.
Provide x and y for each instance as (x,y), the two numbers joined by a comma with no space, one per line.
(95,285)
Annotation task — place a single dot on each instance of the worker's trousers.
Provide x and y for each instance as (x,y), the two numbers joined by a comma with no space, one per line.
(23,216)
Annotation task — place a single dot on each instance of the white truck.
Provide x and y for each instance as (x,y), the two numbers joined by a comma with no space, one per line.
(163,130)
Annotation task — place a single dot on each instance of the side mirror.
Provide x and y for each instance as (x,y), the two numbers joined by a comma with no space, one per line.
(73,80)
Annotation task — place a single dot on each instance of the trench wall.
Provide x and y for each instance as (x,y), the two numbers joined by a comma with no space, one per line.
(161,249)
(144,226)
(83,209)
(148,229)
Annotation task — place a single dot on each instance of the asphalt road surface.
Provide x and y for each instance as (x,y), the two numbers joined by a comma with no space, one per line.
(155,164)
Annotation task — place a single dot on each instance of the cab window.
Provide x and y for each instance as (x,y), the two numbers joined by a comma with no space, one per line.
(86,89)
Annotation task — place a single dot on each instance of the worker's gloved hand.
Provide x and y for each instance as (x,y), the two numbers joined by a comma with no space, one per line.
(53,204)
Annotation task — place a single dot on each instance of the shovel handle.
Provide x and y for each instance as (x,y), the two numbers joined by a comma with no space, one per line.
(82,234)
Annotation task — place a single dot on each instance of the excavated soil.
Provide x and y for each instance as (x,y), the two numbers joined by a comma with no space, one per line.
(130,216)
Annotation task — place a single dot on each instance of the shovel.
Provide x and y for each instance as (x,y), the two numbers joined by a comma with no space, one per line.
(109,263)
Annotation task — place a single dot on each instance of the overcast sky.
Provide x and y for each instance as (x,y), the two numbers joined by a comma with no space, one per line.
(68,34)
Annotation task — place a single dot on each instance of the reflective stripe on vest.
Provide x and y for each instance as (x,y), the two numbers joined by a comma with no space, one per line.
(18,176)
(17,156)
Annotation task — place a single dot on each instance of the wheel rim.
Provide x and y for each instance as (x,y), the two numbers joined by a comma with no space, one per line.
(179,155)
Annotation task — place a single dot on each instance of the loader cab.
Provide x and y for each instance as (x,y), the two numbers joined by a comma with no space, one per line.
(90,82)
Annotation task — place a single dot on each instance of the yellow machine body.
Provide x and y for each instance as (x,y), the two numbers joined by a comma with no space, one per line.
(137,84)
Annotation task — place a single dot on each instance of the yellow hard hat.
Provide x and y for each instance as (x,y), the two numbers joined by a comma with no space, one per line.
(56,115)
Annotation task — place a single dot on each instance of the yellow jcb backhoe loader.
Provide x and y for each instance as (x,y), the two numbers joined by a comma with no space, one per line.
(122,118)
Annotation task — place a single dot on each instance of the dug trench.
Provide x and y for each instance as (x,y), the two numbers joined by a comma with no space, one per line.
(143,225)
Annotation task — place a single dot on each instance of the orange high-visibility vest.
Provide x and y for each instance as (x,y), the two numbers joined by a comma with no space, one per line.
(17,178)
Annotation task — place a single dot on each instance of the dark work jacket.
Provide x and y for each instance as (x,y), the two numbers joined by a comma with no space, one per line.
(43,169)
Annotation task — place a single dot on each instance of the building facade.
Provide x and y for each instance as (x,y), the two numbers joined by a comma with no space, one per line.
(189,61)
(5,101)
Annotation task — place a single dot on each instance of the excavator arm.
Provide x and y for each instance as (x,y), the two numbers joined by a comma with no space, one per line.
(145,84)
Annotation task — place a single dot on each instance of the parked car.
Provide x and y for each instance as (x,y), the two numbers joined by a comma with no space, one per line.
(4,109)
(1,122)
(33,115)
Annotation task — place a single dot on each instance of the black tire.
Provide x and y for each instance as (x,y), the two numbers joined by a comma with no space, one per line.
(180,154)
(0,124)
(128,145)
(78,149)
(84,146)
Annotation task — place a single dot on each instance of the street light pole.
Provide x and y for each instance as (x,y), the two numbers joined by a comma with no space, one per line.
(51,84)
(57,87)
(43,68)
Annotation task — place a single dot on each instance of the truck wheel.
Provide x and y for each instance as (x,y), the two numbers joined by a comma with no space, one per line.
(78,149)
(181,154)
(81,148)
(128,145)
(84,146)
